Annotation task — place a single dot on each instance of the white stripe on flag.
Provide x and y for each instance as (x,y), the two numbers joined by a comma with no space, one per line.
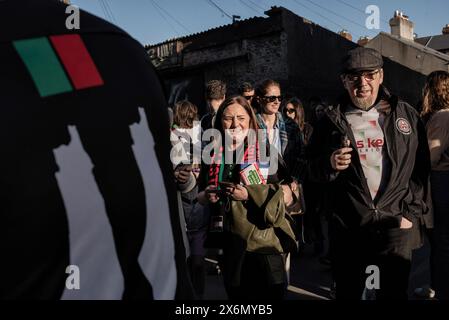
(92,246)
(91,242)
(157,257)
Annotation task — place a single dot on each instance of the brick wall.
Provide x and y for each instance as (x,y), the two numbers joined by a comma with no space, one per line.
(247,60)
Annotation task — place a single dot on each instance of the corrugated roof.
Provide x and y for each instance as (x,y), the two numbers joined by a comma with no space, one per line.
(227,33)
(438,42)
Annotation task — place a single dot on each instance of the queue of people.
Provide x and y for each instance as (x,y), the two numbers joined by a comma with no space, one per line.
(383,167)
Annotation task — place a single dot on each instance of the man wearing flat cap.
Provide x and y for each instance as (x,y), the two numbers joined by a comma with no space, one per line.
(372,150)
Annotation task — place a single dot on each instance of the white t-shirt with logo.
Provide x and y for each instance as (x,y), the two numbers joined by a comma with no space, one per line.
(367,129)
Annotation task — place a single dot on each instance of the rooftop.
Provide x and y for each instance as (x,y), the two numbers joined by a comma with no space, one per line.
(247,28)
(438,42)
(417,45)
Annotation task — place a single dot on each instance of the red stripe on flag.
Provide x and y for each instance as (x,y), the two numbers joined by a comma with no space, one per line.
(77,61)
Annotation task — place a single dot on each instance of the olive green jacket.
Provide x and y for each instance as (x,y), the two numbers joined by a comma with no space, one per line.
(259,225)
(262,221)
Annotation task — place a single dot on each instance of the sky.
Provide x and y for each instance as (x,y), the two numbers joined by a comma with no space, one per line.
(154,21)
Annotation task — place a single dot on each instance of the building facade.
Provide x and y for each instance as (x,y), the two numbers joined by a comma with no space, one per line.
(303,56)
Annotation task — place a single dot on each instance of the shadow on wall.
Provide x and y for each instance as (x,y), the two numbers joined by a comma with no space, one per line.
(403,82)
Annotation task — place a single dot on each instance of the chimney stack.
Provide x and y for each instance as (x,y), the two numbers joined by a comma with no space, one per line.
(401,26)
(345,34)
(446,29)
(363,41)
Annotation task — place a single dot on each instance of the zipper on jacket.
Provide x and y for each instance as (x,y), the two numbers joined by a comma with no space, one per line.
(376,214)
(385,128)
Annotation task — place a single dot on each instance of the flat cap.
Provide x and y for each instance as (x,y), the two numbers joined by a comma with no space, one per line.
(362,59)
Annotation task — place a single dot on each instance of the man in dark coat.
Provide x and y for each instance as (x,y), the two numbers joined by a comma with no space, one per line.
(373,150)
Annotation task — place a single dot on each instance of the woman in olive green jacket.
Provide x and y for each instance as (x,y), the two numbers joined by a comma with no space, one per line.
(250,220)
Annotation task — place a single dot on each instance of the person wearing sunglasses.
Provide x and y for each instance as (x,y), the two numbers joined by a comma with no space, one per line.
(310,222)
(281,132)
(246,90)
(294,110)
(372,151)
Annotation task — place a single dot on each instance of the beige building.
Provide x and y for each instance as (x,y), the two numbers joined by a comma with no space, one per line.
(400,46)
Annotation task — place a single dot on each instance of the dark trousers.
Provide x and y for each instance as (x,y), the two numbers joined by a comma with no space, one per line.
(440,235)
(385,250)
(262,277)
(197,271)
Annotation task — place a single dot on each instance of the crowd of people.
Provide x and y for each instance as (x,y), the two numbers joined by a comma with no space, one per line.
(254,172)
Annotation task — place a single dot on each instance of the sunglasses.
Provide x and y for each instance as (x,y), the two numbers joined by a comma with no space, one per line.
(289,110)
(248,97)
(356,77)
(272,98)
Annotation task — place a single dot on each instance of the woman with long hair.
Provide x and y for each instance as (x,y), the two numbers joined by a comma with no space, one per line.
(281,132)
(294,109)
(248,214)
(436,115)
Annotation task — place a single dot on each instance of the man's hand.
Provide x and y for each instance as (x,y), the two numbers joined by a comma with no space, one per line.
(238,193)
(341,159)
(405,223)
(288,196)
(182,175)
(212,196)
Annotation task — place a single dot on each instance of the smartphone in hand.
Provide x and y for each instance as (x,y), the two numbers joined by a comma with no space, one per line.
(225,184)
(219,192)
(184,167)
(345,142)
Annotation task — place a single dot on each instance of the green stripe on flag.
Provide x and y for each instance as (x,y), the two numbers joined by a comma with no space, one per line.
(43,65)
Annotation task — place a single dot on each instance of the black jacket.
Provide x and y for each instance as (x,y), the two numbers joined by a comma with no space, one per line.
(406,193)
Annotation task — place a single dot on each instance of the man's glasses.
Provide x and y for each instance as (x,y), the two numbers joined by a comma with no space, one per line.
(248,97)
(290,111)
(272,98)
(356,77)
